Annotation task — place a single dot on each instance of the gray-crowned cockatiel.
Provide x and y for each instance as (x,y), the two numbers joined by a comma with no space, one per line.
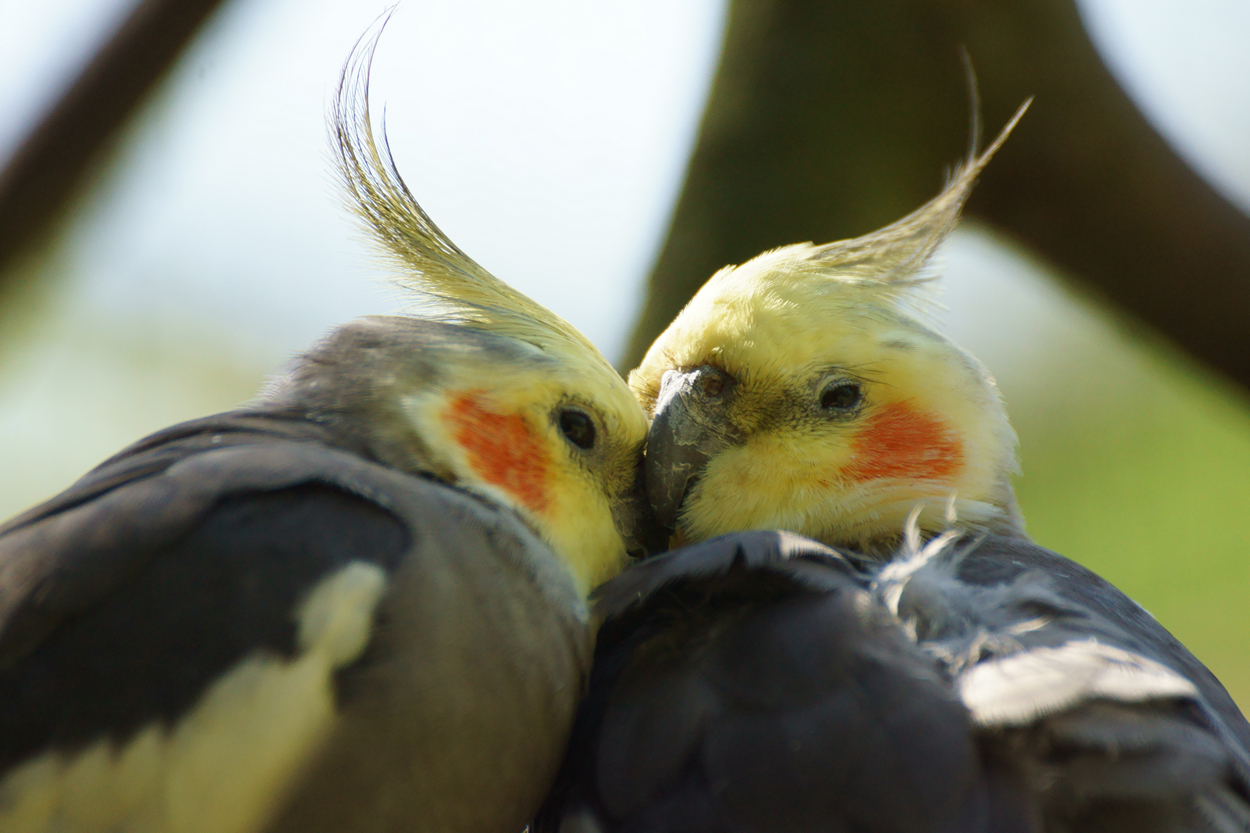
(357,604)
(918,680)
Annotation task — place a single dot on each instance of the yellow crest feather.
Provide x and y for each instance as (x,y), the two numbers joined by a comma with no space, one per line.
(896,254)
(450,285)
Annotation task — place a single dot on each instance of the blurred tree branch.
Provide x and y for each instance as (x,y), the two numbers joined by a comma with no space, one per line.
(830,119)
(56,159)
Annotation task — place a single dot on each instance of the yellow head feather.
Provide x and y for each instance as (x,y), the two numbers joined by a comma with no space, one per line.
(893,258)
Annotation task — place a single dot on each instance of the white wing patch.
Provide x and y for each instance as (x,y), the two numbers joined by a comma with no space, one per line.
(227,764)
(1019,688)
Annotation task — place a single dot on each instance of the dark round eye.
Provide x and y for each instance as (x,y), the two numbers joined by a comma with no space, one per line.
(842,396)
(578,427)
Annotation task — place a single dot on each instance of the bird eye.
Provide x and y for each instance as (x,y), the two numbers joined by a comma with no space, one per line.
(842,396)
(578,427)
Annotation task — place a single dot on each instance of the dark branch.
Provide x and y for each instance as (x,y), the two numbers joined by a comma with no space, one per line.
(50,167)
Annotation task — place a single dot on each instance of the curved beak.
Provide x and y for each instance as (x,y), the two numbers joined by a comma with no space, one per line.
(689,428)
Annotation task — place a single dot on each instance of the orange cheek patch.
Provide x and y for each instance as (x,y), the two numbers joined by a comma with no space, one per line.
(903,442)
(502,449)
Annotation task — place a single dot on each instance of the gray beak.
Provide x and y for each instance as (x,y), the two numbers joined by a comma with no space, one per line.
(689,428)
(632,512)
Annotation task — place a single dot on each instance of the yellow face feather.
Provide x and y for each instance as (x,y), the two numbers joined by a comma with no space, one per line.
(847,409)
(498,432)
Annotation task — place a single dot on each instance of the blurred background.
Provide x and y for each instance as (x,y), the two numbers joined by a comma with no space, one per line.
(1102,273)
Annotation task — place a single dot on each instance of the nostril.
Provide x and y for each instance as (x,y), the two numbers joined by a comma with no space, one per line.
(711,385)
(710,381)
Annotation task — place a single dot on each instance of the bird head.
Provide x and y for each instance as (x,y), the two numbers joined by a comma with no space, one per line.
(483,388)
(558,441)
(805,390)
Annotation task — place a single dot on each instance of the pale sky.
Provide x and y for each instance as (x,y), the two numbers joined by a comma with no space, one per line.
(547,139)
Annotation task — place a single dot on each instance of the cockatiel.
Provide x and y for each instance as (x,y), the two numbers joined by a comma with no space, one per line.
(357,604)
(803,390)
(920,679)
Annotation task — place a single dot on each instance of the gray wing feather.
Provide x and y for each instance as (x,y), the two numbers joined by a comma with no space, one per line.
(453,717)
(1105,709)
(59,558)
(759,681)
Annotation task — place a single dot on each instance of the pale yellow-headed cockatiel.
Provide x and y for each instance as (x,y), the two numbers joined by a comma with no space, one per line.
(806,390)
(921,679)
(356,604)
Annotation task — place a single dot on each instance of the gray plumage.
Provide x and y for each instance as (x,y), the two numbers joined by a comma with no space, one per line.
(126,601)
(761,681)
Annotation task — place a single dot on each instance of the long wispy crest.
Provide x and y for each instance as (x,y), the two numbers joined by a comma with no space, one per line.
(449,284)
(898,253)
